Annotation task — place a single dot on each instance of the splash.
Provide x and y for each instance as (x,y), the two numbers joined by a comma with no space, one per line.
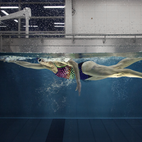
(100,60)
(49,94)
(57,85)
(119,89)
(13,58)
(55,105)
(61,59)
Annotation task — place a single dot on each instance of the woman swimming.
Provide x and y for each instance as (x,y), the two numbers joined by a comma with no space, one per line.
(88,70)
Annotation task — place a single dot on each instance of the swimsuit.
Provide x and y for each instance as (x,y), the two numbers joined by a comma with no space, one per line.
(68,72)
(82,75)
(65,72)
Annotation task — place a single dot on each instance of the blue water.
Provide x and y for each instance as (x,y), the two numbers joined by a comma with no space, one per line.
(39,93)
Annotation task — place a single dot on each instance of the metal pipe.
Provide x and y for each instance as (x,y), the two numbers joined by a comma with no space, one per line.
(27,27)
(43,33)
(9,3)
(0,42)
(26,13)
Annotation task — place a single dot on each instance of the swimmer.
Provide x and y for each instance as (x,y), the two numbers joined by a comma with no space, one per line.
(88,70)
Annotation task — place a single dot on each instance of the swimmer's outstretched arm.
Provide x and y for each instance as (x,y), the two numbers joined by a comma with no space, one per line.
(77,75)
(28,64)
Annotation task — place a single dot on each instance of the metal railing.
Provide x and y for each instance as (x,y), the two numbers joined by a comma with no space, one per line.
(19,32)
(61,33)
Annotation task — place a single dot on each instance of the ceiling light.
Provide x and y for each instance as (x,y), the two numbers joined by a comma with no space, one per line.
(54,6)
(33,26)
(3,11)
(59,26)
(9,7)
(16,20)
(2,26)
(59,23)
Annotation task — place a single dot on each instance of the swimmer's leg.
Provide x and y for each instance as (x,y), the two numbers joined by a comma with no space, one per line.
(99,72)
(127,73)
(115,73)
(126,62)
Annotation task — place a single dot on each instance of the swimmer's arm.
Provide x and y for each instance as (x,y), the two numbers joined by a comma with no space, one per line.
(77,75)
(28,64)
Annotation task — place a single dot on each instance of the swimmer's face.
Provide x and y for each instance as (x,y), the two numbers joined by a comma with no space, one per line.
(41,61)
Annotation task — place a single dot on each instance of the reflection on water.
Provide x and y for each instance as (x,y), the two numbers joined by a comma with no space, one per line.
(76,55)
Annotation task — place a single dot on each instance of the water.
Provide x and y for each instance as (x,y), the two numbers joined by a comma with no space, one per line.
(40,94)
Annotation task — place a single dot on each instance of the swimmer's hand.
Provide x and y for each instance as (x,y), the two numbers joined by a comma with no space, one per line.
(7,60)
(78,87)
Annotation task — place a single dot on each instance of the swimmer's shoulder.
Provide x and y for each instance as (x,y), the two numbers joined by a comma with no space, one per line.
(63,62)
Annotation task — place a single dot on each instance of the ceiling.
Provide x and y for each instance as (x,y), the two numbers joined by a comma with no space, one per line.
(43,19)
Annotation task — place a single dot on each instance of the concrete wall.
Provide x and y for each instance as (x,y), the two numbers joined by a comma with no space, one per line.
(106,17)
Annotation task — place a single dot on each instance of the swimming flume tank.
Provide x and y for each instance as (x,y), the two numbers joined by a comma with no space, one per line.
(70,71)
(37,105)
